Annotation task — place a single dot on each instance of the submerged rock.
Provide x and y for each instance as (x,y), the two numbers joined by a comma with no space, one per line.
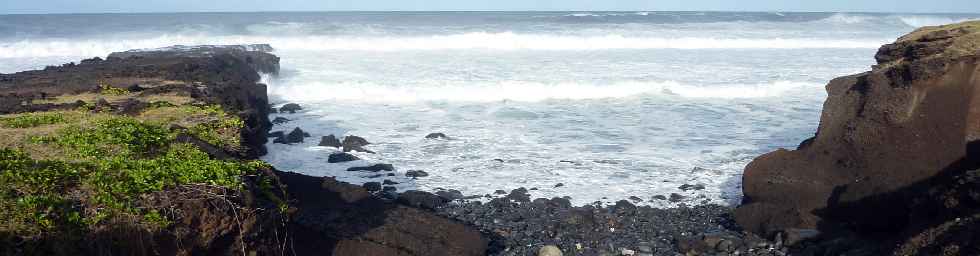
(341,157)
(437,135)
(416,174)
(290,108)
(372,168)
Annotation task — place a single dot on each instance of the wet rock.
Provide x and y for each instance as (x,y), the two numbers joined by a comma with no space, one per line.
(519,195)
(389,189)
(280,120)
(290,108)
(437,135)
(421,199)
(389,182)
(623,205)
(635,199)
(500,192)
(559,185)
(674,197)
(330,141)
(659,197)
(416,174)
(549,250)
(451,194)
(372,186)
(295,136)
(354,143)
(341,157)
(687,187)
(372,168)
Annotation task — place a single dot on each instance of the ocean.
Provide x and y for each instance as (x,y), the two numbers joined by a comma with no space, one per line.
(608,104)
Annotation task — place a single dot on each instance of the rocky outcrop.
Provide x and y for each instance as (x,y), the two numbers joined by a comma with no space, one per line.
(885,136)
(223,75)
(273,213)
(335,218)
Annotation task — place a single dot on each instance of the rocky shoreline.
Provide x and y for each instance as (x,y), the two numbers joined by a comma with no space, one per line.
(892,170)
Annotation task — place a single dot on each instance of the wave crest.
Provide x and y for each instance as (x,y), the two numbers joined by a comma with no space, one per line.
(520,91)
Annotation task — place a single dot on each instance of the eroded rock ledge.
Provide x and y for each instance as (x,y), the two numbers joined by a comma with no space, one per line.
(908,128)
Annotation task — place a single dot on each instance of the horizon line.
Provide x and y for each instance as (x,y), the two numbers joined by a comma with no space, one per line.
(462,11)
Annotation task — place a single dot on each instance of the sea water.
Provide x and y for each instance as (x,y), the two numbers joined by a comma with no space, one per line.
(607,104)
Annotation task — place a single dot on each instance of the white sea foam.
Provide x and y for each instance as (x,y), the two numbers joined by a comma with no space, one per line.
(490,41)
(522,91)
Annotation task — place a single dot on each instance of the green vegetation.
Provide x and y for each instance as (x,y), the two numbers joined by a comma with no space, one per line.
(66,171)
(112,91)
(33,120)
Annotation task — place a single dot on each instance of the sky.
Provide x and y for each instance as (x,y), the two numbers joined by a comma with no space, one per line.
(102,6)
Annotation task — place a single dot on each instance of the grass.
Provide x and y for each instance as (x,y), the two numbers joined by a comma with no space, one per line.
(67,171)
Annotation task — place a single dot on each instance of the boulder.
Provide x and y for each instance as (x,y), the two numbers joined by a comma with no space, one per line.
(341,157)
(295,136)
(884,136)
(290,108)
(415,198)
(354,143)
(330,141)
(451,194)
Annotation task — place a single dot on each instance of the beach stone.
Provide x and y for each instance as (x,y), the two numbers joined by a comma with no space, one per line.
(341,157)
(330,141)
(549,250)
(290,108)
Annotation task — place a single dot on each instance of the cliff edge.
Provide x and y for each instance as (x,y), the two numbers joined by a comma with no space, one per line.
(888,139)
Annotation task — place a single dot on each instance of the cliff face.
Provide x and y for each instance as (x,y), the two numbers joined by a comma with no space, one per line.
(885,136)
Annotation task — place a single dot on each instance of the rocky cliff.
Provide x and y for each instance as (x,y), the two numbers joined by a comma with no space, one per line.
(150,153)
(907,128)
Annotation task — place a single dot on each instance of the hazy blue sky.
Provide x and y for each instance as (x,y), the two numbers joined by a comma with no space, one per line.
(78,6)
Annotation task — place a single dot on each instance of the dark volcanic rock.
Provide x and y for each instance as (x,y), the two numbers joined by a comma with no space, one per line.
(290,108)
(519,195)
(330,141)
(674,197)
(354,143)
(343,219)
(416,174)
(295,136)
(372,168)
(912,118)
(437,135)
(415,198)
(341,157)
(226,75)
(372,186)
(451,194)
